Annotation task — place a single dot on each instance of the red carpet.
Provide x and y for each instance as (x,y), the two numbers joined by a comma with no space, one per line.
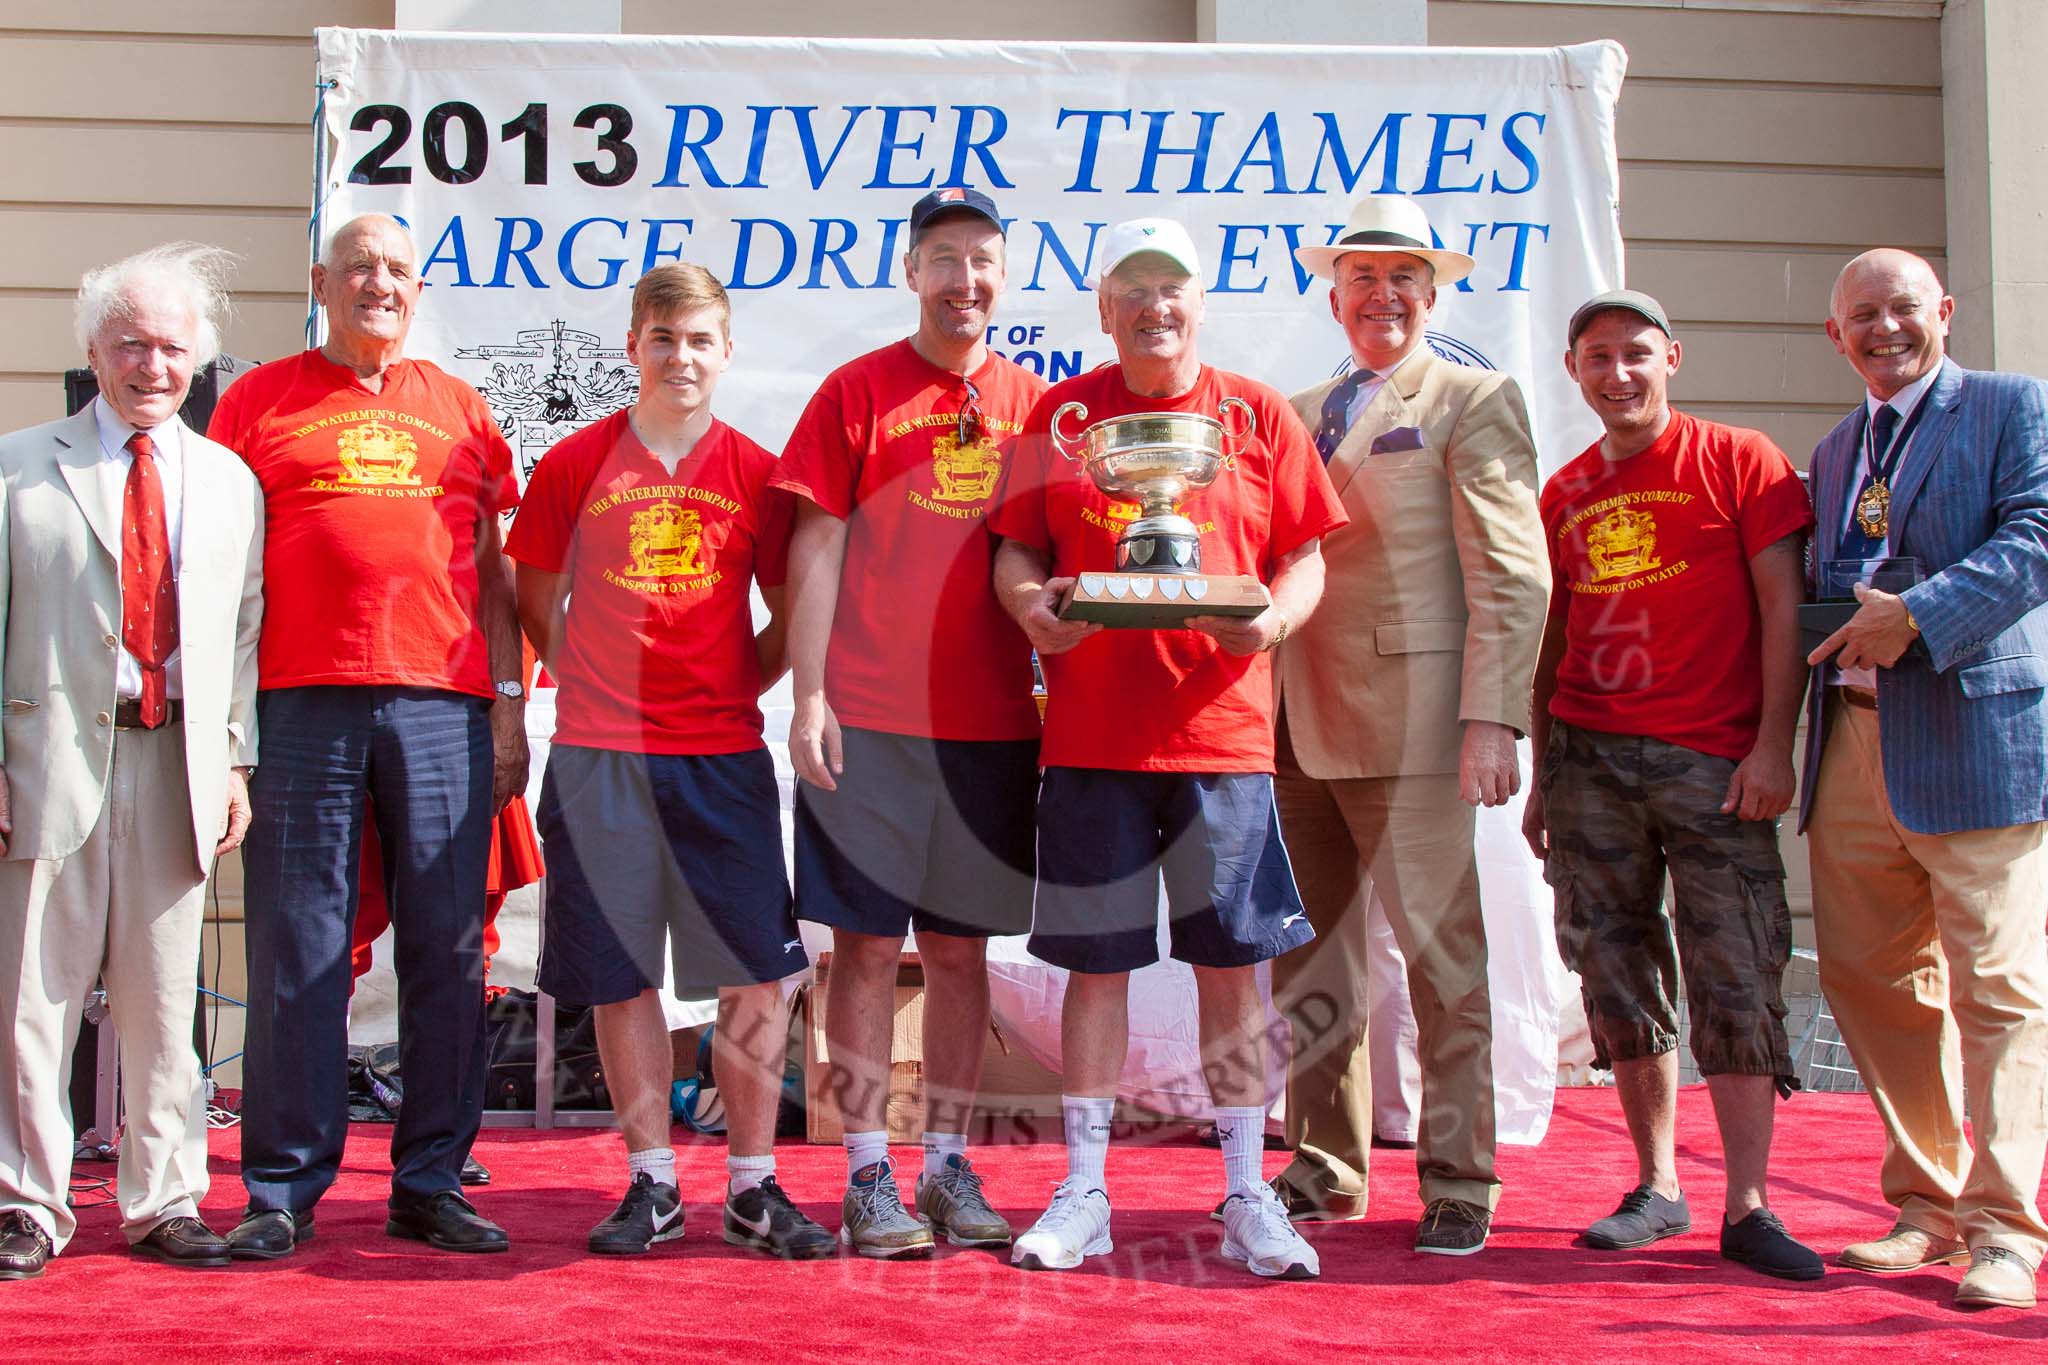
(355,1294)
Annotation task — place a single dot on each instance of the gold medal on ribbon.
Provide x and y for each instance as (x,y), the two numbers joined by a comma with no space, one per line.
(1873,510)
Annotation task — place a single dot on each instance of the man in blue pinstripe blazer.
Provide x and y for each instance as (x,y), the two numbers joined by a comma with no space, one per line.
(1925,791)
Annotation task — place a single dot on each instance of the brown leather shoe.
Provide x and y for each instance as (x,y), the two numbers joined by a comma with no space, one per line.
(184,1242)
(24,1246)
(1904,1248)
(1998,1278)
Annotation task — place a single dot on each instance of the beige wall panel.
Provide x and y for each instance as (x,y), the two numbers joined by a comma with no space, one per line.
(53,248)
(1162,21)
(66,76)
(54,163)
(1743,124)
(1763,366)
(268,18)
(1827,208)
(1716,44)
(1796,433)
(28,400)
(1741,284)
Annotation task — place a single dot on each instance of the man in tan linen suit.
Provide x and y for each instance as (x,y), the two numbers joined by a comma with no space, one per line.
(122,774)
(1400,703)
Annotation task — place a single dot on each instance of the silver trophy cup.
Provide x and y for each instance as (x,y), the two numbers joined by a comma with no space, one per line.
(1157,458)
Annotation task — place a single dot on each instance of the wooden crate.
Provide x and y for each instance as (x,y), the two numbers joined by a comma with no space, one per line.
(822,1122)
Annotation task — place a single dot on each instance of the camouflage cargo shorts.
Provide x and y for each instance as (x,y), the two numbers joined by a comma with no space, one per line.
(1621,810)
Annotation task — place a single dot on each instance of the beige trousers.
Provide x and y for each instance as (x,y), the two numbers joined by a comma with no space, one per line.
(1412,837)
(125,908)
(1934,958)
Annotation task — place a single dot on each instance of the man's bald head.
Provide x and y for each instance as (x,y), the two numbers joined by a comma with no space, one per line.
(1887,262)
(1889,319)
(367,281)
(364,226)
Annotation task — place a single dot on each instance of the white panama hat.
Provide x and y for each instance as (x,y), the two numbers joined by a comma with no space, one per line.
(1391,223)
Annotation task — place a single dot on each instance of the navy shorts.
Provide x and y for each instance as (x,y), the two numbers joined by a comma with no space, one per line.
(923,833)
(646,847)
(1105,837)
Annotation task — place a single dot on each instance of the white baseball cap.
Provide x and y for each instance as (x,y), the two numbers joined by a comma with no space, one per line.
(1163,236)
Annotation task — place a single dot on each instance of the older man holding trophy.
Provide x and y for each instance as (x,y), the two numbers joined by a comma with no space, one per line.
(1160,533)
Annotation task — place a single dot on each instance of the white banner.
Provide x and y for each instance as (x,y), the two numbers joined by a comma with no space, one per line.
(542,176)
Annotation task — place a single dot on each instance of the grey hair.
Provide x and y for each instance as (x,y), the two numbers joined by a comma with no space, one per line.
(190,273)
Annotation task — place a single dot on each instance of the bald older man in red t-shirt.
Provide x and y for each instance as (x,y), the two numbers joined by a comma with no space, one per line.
(389,670)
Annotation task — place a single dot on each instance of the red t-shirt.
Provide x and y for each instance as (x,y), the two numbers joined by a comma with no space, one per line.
(920,646)
(371,503)
(658,649)
(1165,700)
(1650,562)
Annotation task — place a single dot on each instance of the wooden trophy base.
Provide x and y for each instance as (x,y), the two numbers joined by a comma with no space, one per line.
(1159,601)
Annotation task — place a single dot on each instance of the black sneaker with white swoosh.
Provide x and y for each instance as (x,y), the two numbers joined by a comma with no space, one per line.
(764,1219)
(649,1213)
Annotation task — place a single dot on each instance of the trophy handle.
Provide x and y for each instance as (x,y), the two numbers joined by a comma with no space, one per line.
(1236,435)
(1060,440)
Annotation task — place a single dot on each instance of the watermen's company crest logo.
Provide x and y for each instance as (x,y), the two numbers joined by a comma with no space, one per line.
(964,474)
(374,454)
(665,541)
(537,405)
(1623,544)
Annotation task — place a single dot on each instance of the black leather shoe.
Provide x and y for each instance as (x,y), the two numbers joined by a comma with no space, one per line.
(448,1221)
(1760,1242)
(24,1246)
(185,1242)
(266,1234)
(474,1172)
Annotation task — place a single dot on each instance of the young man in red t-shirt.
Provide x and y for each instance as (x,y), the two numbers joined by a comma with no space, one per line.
(915,732)
(389,669)
(1666,695)
(1159,746)
(637,545)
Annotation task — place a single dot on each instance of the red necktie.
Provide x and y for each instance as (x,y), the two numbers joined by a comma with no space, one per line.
(149,592)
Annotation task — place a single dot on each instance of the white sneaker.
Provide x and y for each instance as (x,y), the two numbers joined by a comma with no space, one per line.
(1074,1227)
(1259,1237)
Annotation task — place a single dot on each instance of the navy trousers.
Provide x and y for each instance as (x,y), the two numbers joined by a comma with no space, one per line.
(424,757)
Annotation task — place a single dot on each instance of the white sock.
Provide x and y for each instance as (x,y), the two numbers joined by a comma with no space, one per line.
(1242,1132)
(1087,1122)
(744,1173)
(864,1150)
(939,1146)
(659,1162)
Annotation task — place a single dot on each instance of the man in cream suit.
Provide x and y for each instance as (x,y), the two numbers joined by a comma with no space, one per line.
(131,579)
(1400,703)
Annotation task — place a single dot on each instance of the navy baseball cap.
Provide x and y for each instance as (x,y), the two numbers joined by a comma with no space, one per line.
(952,200)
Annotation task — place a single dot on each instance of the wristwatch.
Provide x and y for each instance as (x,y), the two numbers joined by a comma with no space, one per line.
(1280,634)
(510,691)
